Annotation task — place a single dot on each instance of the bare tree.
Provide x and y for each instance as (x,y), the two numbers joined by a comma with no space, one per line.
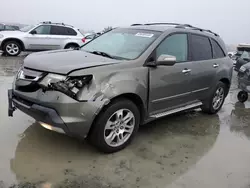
(106,29)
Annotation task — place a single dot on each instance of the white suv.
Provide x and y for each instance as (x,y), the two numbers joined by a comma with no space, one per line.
(43,36)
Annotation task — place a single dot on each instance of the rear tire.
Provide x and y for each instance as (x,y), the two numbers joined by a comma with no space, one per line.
(216,100)
(112,130)
(71,46)
(242,96)
(12,48)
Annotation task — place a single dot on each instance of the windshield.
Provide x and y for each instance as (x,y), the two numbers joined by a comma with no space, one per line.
(123,43)
(27,28)
(245,55)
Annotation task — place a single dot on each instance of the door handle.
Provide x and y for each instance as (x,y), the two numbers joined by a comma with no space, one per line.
(215,65)
(185,71)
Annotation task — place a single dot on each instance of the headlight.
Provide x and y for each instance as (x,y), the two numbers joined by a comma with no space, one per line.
(67,85)
(1,36)
(51,78)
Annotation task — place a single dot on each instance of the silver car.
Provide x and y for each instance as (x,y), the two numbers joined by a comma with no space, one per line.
(44,36)
(122,79)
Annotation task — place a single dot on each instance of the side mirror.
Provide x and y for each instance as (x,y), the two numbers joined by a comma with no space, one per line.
(33,32)
(166,60)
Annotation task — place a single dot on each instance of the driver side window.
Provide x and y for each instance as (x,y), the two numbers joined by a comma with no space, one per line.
(175,45)
(43,30)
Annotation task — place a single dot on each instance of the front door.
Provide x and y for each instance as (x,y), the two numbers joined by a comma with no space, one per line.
(170,85)
(38,39)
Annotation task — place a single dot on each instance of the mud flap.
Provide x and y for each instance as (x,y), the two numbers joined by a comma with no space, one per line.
(11,108)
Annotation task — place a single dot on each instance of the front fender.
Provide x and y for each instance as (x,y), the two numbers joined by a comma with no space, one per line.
(106,86)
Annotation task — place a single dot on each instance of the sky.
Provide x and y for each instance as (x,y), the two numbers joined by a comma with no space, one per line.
(228,18)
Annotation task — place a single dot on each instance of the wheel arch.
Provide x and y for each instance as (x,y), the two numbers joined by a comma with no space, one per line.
(227,82)
(71,43)
(136,99)
(13,39)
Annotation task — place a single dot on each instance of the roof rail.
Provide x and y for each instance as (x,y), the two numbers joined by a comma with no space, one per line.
(160,23)
(49,22)
(177,25)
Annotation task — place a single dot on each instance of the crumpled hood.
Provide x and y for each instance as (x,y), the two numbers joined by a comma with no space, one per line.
(65,61)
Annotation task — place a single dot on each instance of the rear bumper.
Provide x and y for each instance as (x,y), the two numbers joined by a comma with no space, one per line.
(65,116)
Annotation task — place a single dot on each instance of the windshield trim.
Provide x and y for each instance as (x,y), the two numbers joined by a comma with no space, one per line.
(135,29)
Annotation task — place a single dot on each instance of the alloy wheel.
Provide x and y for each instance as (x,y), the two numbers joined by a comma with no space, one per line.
(218,98)
(12,49)
(119,127)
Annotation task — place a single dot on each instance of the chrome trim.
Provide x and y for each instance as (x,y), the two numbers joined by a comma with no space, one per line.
(198,90)
(171,97)
(215,65)
(162,114)
(186,71)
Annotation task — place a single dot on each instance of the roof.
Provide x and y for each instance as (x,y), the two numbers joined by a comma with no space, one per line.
(153,27)
(165,26)
(243,45)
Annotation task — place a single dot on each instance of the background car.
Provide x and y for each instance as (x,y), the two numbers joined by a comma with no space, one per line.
(43,36)
(7,27)
(90,36)
(242,56)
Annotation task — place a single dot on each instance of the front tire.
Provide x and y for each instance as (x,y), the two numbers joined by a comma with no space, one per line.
(12,48)
(116,126)
(216,100)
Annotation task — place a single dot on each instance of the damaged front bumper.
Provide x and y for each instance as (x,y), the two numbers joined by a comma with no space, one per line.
(56,111)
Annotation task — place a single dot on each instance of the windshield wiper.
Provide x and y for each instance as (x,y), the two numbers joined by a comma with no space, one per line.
(104,54)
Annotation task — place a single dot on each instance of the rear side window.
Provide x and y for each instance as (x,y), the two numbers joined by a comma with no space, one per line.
(58,30)
(1,26)
(175,45)
(217,51)
(200,48)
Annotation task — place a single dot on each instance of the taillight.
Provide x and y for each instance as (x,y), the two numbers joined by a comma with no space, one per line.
(83,40)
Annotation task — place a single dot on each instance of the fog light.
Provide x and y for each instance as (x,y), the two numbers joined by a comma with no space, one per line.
(49,127)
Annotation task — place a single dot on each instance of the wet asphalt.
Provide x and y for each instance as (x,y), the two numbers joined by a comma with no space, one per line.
(185,150)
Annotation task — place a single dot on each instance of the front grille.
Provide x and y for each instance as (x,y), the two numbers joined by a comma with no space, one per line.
(32,87)
(26,102)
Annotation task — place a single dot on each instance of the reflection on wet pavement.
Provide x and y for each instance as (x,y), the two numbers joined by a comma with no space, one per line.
(185,150)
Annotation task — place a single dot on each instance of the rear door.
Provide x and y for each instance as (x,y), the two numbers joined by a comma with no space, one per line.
(170,85)
(60,35)
(204,70)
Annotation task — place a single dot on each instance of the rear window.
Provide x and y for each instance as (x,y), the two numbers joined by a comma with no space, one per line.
(200,48)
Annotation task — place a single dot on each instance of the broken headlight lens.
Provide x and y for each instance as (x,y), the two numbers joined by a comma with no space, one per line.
(51,78)
(67,85)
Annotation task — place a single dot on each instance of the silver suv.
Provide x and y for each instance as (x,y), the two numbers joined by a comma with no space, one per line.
(122,79)
(44,36)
